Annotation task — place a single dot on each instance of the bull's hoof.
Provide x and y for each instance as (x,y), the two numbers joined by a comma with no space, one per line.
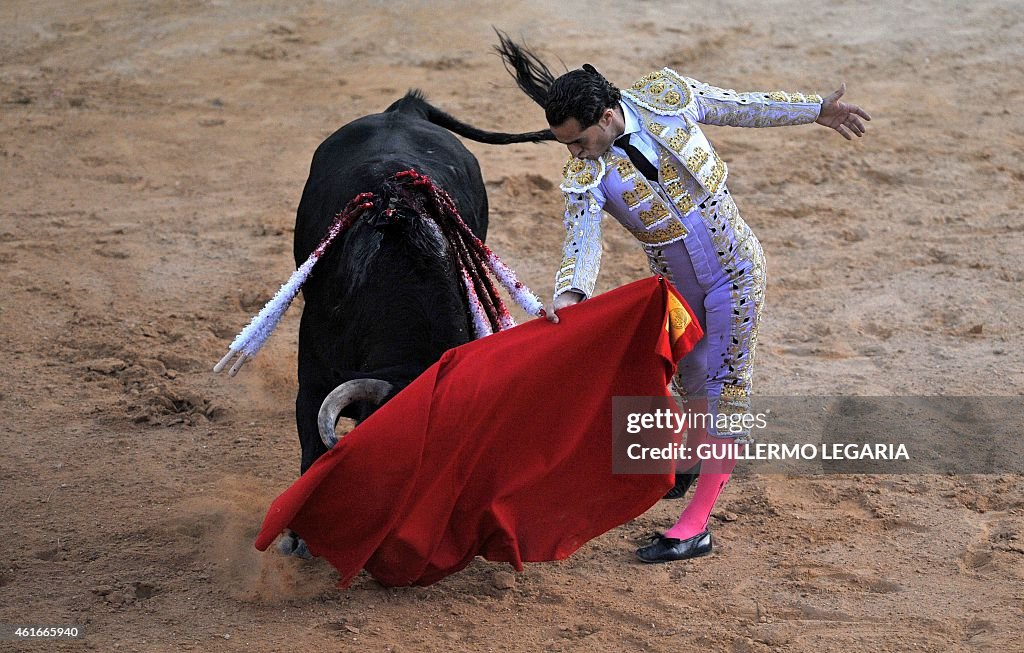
(286,544)
(292,545)
(302,551)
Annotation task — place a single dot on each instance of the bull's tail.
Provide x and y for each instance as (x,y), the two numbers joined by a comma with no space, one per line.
(415,101)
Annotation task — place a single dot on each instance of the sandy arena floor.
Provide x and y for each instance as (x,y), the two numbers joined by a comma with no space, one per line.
(152,155)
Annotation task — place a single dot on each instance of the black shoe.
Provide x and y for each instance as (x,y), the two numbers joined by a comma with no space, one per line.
(683,483)
(670,549)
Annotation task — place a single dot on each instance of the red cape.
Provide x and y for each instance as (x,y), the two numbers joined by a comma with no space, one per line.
(501,449)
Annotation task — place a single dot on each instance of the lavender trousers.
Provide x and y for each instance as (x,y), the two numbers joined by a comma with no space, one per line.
(719,269)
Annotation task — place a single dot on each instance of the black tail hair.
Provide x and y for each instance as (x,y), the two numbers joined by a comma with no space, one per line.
(530,73)
(415,101)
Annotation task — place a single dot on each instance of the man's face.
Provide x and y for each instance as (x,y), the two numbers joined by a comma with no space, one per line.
(589,143)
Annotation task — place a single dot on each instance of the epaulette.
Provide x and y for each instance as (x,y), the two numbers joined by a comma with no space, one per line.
(664,92)
(580,175)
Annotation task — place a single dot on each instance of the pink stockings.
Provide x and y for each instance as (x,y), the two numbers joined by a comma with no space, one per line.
(695,516)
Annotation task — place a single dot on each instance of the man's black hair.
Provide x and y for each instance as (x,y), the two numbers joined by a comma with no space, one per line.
(582,94)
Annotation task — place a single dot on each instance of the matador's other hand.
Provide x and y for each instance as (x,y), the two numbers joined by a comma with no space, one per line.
(842,116)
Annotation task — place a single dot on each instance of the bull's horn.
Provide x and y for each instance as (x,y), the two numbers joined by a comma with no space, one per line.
(372,390)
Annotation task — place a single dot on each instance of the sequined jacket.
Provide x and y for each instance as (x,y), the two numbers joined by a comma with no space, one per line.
(690,171)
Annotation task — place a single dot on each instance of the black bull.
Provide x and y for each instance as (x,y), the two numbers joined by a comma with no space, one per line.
(386,300)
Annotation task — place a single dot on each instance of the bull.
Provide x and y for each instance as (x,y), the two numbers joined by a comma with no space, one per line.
(387,299)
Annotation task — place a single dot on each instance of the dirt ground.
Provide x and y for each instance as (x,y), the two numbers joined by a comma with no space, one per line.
(152,155)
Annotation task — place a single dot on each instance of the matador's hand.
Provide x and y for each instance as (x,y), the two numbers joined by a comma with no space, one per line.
(842,116)
(568,298)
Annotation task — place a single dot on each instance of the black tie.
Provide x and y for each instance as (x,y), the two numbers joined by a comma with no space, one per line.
(637,157)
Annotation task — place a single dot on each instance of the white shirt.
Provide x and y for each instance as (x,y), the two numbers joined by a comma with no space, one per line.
(638,136)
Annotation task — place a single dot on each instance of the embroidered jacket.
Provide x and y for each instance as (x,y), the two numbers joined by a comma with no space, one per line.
(690,171)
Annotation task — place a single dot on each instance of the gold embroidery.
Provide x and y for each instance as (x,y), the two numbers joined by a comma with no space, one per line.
(794,117)
(740,229)
(578,174)
(655,214)
(686,205)
(574,210)
(675,189)
(646,79)
(783,96)
(581,251)
(656,128)
(680,197)
(678,140)
(754,115)
(735,399)
(626,169)
(637,196)
(697,160)
(740,255)
(660,92)
(730,391)
(736,402)
(668,171)
(674,231)
(716,176)
(673,76)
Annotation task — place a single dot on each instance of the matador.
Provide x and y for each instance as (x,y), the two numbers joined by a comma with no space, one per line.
(639,155)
